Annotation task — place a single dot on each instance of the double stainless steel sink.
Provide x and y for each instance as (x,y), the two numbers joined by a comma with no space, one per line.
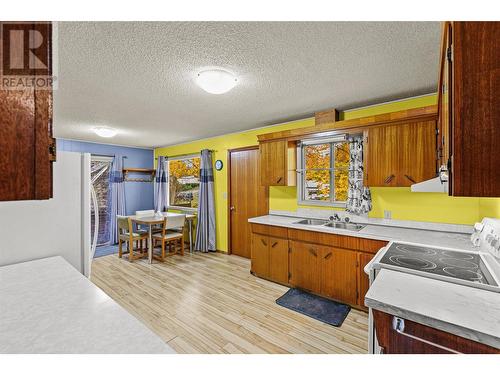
(331,224)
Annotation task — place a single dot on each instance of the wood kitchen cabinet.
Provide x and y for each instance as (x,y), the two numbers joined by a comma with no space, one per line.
(278,163)
(26,143)
(469,107)
(305,262)
(401,154)
(423,340)
(269,257)
(338,274)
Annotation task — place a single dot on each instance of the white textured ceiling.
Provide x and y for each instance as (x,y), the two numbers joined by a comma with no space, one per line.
(138,77)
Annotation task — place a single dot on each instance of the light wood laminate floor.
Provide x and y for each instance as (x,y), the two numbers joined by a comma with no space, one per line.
(210,303)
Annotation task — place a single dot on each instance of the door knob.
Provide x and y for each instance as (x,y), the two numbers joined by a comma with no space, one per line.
(232,208)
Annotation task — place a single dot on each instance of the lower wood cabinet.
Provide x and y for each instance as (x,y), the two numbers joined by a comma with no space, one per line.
(409,337)
(270,257)
(338,275)
(329,265)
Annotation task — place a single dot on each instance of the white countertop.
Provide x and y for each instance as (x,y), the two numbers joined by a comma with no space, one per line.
(46,306)
(379,232)
(461,310)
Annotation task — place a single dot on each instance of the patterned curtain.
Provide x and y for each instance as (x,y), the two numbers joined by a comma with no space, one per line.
(205,230)
(117,189)
(160,193)
(359,200)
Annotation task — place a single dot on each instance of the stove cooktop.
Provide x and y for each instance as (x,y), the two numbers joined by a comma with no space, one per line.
(468,267)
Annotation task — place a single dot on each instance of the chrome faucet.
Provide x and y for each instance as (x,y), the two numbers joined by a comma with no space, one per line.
(335,217)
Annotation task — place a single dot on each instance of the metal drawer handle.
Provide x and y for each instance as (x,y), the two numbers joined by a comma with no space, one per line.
(313,252)
(389,179)
(279,180)
(409,178)
(274,244)
(398,324)
(328,256)
(263,242)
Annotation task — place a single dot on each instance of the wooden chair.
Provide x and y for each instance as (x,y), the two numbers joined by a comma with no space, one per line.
(126,234)
(169,240)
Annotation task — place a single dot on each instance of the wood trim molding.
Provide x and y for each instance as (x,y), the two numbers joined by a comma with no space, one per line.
(355,125)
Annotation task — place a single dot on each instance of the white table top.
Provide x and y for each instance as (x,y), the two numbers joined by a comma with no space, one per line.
(158,218)
(46,306)
(461,310)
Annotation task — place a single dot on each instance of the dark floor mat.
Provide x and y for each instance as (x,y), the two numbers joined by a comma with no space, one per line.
(319,308)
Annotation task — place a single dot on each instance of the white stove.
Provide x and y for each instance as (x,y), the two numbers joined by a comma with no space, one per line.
(478,268)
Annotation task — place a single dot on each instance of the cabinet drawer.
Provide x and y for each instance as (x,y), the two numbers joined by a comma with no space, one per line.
(334,240)
(270,230)
(371,246)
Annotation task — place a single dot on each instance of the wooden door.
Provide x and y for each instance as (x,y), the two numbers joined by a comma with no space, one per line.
(274,166)
(382,156)
(444,99)
(26,143)
(338,274)
(363,280)
(278,260)
(417,152)
(305,265)
(247,198)
(260,255)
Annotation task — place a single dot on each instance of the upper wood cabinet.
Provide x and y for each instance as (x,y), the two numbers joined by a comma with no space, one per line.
(26,143)
(469,107)
(278,163)
(401,154)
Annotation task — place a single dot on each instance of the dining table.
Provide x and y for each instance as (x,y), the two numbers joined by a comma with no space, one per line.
(174,221)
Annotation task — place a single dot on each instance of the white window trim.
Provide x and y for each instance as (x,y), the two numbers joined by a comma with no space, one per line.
(301,175)
(180,157)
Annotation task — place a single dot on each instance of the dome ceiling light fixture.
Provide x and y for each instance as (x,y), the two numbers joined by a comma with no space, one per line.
(216,81)
(104,131)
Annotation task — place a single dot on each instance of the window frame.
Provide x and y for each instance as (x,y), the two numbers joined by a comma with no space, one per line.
(301,178)
(175,158)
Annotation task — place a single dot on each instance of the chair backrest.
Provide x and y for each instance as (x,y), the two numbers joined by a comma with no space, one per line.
(176,221)
(123,224)
(145,213)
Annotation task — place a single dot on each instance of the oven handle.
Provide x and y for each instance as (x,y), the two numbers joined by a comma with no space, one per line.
(398,324)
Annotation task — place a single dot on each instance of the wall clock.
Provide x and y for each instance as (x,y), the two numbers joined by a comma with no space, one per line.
(219,165)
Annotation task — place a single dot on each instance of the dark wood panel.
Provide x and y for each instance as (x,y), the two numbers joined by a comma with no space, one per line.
(476,109)
(247,198)
(394,343)
(371,246)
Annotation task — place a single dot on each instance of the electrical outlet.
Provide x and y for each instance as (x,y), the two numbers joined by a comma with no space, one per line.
(387,214)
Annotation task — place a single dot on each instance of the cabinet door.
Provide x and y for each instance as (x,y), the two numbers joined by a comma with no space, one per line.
(26,143)
(273,163)
(278,260)
(305,266)
(417,152)
(382,162)
(363,280)
(338,274)
(260,255)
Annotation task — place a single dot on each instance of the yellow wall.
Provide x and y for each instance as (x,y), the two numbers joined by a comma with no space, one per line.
(404,205)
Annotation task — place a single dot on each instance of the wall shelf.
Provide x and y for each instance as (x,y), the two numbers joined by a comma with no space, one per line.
(128,171)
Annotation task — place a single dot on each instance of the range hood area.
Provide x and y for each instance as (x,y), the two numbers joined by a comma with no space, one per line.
(437,184)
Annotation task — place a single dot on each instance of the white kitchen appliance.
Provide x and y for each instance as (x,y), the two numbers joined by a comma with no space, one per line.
(57,226)
(477,268)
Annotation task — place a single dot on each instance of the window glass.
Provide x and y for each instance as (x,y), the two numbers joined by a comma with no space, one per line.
(184,182)
(325,172)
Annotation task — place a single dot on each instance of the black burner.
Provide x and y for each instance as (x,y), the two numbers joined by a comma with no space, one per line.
(454,264)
